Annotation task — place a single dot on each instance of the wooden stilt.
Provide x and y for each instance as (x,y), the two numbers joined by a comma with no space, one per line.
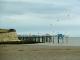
(58,39)
(62,40)
(53,39)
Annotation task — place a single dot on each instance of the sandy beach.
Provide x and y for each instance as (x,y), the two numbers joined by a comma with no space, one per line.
(39,52)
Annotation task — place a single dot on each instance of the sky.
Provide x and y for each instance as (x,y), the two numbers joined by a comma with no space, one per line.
(41,16)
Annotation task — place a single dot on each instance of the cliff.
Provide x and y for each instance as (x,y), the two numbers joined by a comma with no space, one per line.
(8,35)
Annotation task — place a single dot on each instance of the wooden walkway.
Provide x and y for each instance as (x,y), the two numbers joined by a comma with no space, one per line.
(39,39)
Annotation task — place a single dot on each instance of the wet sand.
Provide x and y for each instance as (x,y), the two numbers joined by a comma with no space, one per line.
(39,52)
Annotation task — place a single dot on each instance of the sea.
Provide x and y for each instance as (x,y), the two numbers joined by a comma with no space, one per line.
(70,41)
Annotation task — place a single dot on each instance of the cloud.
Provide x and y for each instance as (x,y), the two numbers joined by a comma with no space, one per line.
(34,7)
(36,15)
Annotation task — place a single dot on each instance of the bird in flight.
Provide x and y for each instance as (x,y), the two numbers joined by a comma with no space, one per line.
(51,25)
(57,20)
(68,15)
(38,32)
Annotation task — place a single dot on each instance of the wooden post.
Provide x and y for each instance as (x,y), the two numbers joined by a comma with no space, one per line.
(58,36)
(66,39)
(49,39)
(62,40)
(35,39)
(53,39)
(42,40)
(23,38)
(58,39)
(38,39)
(45,39)
(26,38)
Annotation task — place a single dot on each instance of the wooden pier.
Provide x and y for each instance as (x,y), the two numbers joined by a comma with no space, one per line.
(38,39)
(44,38)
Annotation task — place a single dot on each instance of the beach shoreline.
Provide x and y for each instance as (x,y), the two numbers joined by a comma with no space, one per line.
(38,52)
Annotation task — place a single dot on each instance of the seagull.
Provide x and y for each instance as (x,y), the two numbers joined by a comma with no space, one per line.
(57,20)
(51,25)
(38,32)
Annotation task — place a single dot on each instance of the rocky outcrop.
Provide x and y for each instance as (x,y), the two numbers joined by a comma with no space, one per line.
(8,35)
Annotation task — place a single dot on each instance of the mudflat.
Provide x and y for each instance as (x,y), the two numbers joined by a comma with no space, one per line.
(39,52)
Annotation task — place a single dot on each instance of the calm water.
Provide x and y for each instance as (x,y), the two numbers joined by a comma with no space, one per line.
(72,41)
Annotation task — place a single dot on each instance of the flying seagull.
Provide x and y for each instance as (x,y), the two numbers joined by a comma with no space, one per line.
(57,20)
(51,25)
(38,32)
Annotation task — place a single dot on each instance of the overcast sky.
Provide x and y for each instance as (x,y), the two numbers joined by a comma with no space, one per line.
(43,16)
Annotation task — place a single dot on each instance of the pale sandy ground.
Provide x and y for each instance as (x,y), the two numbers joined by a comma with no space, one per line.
(39,52)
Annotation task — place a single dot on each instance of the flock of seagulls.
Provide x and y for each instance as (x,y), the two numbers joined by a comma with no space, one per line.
(57,20)
(51,25)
